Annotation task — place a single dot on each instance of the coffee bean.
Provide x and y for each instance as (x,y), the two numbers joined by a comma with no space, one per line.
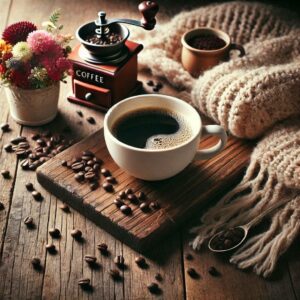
(25,164)
(108,187)
(158,277)
(153,288)
(64,207)
(132,198)
(5,127)
(90,176)
(35,136)
(144,207)
(36,262)
(96,167)
(29,186)
(18,140)
(150,82)
(94,186)
(91,120)
(90,259)
(77,166)
(90,163)
(84,283)
(111,179)
(159,85)
(87,169)
(128,191)
(189,256)
(8,148)
(98,160)
(105,172)
(154,205)
(79,113)
(122,194)
(76,234)
(54,232)
(28,221)
(64,163)
(41,142)
(23,145)
(37,195)
(119,261)
(114,273)
(2,206)
(118,202)
(5,174)
(51,248)
(102,247)
(88,153)
(155,89)
(213,272)
(140,261)
(141,196)
(192,272)
(125,209)
(21,153)
(79,176)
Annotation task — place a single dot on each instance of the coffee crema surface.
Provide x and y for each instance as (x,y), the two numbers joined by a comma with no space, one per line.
(152,128)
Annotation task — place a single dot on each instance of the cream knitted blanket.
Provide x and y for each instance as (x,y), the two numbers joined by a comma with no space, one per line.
(247,96)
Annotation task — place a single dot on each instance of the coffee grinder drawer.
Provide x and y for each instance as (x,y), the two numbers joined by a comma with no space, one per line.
(91,94)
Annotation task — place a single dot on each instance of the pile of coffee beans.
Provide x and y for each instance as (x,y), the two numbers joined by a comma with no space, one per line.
(227,239)
(207,42)
(156,87)
(105,39)
(47,146)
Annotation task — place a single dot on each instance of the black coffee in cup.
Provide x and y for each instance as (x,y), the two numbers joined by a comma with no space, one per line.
(207,42)
(152,128)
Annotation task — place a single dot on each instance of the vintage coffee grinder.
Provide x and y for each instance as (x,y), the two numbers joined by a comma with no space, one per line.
(105,63)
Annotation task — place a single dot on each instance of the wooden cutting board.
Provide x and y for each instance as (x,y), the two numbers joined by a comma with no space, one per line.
(179,197)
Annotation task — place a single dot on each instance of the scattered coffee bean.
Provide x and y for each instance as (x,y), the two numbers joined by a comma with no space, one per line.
(119,261)
(84,283)
(37,195)
(5,174)
(64,163)
(36,262)
(108,187)
(2,206)
(25,164)
(132,198)
(79,113)
(158,277)
(5,127)
(51,248)
(54,232)
(155,89)
(79,176)
(35,136)
(192,272)
(105,172)
(103,248)
(189,256)
(150,82)
(91,120)
(159,85)
(18,140)
(98,161)
(8,148)
(115,274)
(76,234)
(111,179)
(154,205)
(213,272)
(118,202)
(77,166)
(141,196)
(122,194)
(90,259)
(140,261)
(28,221)
(29,186)
(64,207)
(125,209)
(144,207)
(90,176)
(153,288)
(128,191)
(94,186)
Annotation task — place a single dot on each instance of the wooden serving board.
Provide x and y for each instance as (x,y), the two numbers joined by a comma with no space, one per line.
(179,197)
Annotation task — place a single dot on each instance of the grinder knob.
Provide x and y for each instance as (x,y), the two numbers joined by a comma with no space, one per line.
(148,9)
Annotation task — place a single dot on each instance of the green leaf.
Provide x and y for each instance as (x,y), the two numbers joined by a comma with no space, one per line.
(55,16)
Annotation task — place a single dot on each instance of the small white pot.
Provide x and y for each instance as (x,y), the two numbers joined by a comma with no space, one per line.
(33,107)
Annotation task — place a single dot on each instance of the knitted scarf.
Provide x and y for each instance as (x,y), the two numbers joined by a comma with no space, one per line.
(250,97)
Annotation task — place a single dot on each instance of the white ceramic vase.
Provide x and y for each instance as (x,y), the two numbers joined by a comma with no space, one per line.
(33,107)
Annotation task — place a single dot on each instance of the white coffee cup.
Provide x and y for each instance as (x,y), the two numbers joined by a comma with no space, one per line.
(158,164)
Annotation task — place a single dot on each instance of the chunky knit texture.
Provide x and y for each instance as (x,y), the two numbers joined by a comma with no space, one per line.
(247,96)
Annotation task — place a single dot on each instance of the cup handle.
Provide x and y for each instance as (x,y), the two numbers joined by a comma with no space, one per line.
(210,152)
(239,48)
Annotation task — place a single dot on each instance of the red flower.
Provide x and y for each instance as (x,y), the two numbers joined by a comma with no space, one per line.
(18,32)
(20,77)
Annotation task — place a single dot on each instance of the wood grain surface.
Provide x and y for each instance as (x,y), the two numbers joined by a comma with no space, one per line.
(60,272)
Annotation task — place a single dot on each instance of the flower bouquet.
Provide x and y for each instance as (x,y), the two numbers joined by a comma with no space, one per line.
(32,64)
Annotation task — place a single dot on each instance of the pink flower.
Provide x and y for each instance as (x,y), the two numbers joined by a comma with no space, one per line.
(63,64)
(40,41)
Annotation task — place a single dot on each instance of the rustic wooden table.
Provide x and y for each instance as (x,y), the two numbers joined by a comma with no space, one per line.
(58,279)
